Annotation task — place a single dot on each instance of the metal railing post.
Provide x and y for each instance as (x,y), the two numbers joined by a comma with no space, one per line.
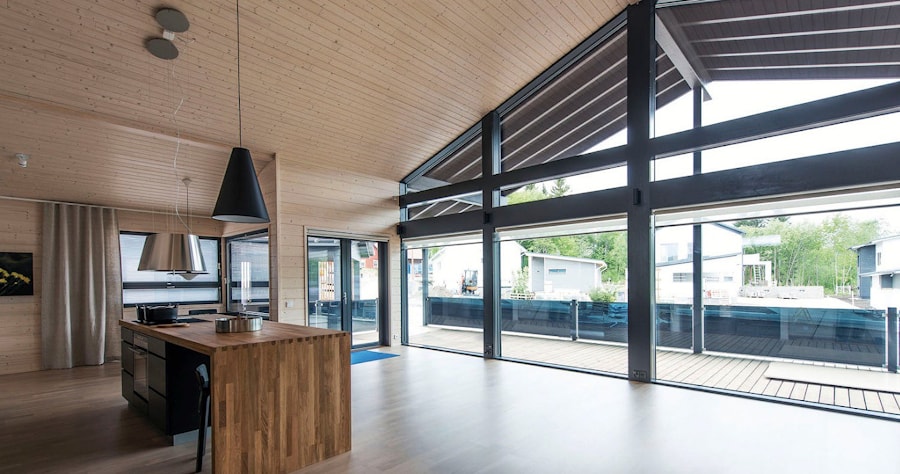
(892,342)
(573,312)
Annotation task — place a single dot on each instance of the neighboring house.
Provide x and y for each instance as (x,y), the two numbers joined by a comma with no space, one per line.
(548,274)
(563,275)
(723,262)
(877,263)
(449,265)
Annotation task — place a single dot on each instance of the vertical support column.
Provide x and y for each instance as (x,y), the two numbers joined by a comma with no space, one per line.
(346,296)
(426,282)
(404,270)
(404,296)
(641,108)
(490,198)
(383,302)
(892,342)
(697,329)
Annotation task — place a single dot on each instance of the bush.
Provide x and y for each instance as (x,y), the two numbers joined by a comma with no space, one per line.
(601,295)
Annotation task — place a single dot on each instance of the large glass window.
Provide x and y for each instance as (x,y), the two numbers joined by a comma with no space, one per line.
(446,306)
(564,295)
(781,292)
(735,284)
(248,272)
(146,287)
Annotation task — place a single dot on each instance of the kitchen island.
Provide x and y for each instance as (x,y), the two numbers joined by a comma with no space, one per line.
(280,397)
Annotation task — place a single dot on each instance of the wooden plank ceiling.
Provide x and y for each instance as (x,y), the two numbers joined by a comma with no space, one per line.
(369,87)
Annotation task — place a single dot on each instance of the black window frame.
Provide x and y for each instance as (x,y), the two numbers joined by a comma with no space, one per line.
(230,283)
(183,284)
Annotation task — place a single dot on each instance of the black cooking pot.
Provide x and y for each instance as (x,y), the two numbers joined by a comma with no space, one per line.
(157,314)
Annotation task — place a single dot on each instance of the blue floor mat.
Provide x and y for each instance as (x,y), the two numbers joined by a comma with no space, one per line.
(359,357)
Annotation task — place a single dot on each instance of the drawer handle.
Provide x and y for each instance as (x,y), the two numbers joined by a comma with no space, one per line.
(139,352)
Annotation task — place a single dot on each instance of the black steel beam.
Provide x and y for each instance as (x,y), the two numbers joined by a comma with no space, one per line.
(565,208)
(697,329)
(641,108)
(851,106)
(452,191)
(596,161)
(843,170)
(490,197)
(443,225)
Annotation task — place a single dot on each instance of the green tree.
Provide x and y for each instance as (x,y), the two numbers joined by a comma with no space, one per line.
(612,248)
(815,254)
(526,193)
(560,188)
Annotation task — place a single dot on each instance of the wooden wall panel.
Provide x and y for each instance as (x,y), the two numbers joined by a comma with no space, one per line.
(329,199)
(20,316)
(160,222)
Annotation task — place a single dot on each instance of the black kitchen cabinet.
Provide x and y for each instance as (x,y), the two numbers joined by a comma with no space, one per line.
(158,380)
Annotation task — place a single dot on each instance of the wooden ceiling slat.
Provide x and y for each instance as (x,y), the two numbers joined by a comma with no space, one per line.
(370,88)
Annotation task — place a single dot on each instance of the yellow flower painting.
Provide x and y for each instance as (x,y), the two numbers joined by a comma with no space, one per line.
(16,270)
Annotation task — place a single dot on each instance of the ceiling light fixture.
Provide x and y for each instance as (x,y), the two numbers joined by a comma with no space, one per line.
(23,159)
(172,21)
(240,198)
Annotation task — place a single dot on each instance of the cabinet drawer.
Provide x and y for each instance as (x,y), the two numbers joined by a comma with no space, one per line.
(156,374)
(156,346)
(128,335)
(127,357)
(157,411)
(127,386)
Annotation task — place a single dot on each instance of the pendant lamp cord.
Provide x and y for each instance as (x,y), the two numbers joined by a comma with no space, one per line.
(177,84)
(240,124)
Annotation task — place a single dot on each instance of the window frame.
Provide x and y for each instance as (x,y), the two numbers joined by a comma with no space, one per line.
(182,284)
(229,283)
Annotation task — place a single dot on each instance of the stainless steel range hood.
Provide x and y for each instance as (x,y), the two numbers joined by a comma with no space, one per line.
(173,253)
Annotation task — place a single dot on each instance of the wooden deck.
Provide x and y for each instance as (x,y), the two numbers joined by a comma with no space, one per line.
(719,371)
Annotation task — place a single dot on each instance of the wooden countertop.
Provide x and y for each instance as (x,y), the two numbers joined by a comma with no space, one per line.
(203,338)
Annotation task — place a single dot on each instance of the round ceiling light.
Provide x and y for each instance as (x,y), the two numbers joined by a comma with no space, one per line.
(161,48)
(172,20)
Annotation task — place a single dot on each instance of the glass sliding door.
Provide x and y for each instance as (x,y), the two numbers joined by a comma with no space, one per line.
(325,288)
(345,287)
(364,302)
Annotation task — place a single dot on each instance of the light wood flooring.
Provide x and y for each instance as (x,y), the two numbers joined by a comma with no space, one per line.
(436,412)
(708,370)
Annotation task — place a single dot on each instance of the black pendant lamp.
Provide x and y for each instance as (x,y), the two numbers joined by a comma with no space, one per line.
(240,198)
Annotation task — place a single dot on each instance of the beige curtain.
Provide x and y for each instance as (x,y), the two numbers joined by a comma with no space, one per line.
(81,296)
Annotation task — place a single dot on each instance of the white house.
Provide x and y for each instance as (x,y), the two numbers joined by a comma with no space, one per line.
(877,263)
(722,262)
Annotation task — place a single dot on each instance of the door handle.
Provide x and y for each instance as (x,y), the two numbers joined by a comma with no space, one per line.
(344,297)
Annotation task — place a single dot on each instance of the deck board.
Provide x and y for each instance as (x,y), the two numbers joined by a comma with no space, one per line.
(718,370)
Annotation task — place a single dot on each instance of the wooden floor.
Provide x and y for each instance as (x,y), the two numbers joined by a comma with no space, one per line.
(436,412)
(708,370)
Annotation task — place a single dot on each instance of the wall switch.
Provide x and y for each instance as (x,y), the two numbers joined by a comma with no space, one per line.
(289,304)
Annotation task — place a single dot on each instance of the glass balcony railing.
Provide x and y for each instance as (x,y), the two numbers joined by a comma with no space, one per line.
(847,336)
